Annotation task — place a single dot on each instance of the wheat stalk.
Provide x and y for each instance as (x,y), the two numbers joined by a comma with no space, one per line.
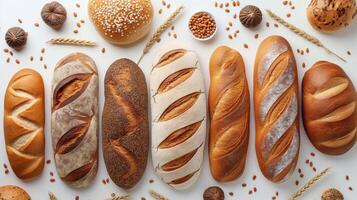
(71,41)
(302,33)
(157,196)
(309,184)
(168,22)
(52,196)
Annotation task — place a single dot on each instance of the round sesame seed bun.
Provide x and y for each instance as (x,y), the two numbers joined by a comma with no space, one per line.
(121,22)
(11,192)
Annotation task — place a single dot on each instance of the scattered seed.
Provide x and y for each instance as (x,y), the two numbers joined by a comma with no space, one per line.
(230,37)
(301,175)
(303,65)
(45,66)
(296,182)
(172,28)
(245,46)
(5,166)
(227,29)
(52,180)
(175,36)
(48,161)
(168,6)
(78,25)
(255,189)
(103,181)
(276,25)
(254,177)
(244,185)
(36,24)
(256,36)
(7,171)
(349,53)
(276,193)
(227,10)
(75,31)
(158,40)
(231,193)
(163,3)
(151,181)
(11,53)
(250,192)
(350,188)
(216,4)
(75,14)
(312,154)
(43,50)
(267,24)
(82,21)
(77,5)
(103,50)
(230,24)
(8,60)
(314,169)
(285,3)
(221,5)
(107,180)
(288,15)
(51,173)
(347,178)
(17,61)
(298,50)
(227,4)
(293,7)
(41,58)
(307,50)
(169,33)
(76,198)
(20,21)
(6,50)
(235,16)
(160,11)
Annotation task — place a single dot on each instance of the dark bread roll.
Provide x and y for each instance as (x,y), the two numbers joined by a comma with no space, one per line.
(125,123)
(329,108)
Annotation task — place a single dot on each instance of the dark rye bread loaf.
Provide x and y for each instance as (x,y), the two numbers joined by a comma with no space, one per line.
(125,123)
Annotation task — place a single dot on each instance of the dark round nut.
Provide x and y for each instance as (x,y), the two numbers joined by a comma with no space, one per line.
(54,14)
(213,193)
(16,38)
(332,194)
(250,16)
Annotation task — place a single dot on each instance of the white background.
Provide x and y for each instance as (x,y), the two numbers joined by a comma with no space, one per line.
(29,13)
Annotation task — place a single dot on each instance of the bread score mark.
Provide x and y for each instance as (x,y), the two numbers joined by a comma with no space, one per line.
(179,136)
(81,172)
(341,141)
(331,88)
(180,161)
(69,89)
(183,179)
(170,57)
(175,79)
(179,106)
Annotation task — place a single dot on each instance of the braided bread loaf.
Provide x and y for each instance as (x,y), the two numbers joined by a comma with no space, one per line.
(276,106)
(24,120)
(178,105)
(75,119)
(329,108)
(229,111)
(125,123)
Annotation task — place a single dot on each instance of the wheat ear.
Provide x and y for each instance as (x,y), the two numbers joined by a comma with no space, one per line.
(52,196)
(157,196)
(70,41)
(309,184)
(168,22)
(302,33)
(117,197)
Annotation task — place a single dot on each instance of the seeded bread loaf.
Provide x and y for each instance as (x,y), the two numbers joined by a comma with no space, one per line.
(125,123)
(276,105)
(329,108)
(178,104)
(24,121)
(229,112)
(74,120)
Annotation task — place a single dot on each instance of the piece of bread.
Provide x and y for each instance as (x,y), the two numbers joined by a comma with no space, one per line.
(331,16)
(329,108)
(178,105)
(11,192)
(24,121)
(125,123)
(276,105)
(74,120)
(229,111)
(121,22)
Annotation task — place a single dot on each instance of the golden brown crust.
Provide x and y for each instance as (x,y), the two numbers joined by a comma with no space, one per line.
(229,112)
(329,108)
(331,16)
(121,22)
(125,123)
(277,140)
(11,192)
(24,120)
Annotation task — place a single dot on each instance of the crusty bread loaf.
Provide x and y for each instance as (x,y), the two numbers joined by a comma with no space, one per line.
(229,111)
(331,16)
(125,123)
(121,22)
(276,104)
(74,121)
(11,192)
(178,104)
(329,108)
(24,120)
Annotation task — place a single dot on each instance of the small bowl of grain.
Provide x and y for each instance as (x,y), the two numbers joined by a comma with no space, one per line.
(202,25)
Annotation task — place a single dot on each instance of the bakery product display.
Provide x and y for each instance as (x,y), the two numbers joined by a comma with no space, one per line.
(24,121)
(11,192)
(229,113)
(121,22)
(178,114)
(74,119)
(276,106)
(329,108)
(331,16)
(125,123)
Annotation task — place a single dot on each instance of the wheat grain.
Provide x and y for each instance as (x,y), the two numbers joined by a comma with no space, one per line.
(309,184)
(71,41)
(52,196)
(302,33)
(168,22)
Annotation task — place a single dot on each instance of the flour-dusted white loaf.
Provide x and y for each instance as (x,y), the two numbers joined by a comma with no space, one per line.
(178,104)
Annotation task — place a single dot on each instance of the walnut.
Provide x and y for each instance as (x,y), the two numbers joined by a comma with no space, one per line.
(213,193)
(16,38)
(250,16)
(54,14)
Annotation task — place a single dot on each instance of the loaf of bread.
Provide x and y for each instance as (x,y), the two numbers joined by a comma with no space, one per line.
(24,120)
(125,123)
(178,104)
(74,120)
(229,112)
(329,108)
(11,192)
(276,106)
